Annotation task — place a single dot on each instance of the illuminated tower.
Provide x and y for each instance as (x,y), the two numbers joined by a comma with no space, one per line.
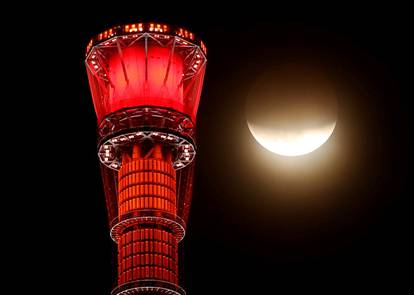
(146,81)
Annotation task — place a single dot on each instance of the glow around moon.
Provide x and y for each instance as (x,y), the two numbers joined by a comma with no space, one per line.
(290,143)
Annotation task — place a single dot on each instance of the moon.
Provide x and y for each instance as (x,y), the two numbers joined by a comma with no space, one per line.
(292,110)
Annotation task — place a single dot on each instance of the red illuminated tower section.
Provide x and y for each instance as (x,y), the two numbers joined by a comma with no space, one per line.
(146,82)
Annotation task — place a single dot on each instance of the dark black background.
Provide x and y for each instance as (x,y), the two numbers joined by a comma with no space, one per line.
(241,238)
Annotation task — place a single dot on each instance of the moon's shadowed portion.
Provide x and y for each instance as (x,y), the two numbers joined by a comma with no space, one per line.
(291,105)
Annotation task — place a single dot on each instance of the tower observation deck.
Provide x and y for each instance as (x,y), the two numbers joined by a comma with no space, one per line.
(146,81)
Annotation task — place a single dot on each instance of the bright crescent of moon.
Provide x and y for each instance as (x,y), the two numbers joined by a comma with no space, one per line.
(290,143)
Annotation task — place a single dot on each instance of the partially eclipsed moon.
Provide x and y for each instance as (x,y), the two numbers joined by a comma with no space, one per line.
(292,110)
(291,143)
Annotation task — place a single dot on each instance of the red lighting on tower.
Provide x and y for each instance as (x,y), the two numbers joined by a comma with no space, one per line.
(146,81)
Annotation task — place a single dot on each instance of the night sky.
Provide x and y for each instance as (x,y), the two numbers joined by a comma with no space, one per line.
(333,220)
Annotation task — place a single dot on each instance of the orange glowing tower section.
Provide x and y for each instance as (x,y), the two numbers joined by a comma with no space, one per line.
(146,82)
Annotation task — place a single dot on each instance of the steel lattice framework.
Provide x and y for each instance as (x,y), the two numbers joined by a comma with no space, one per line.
(146,81)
